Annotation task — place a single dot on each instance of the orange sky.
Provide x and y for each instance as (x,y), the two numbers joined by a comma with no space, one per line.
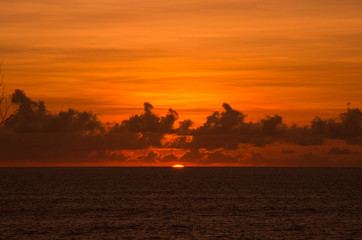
(293,58)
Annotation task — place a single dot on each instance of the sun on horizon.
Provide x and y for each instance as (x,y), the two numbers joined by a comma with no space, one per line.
(178,166)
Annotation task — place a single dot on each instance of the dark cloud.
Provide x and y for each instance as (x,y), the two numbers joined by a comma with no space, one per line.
(221,130)
(288,151)
(339,151)
(227,121)
(33,117)
(169,158)
(141,131)
(302,136)
(355,140)
(35,134)
(348,125)
(214,141)
(185,127)
(272,125)
(255,158)
(206,158)
(106,155)
(192,156)
(227,130)
(221,158)
(148,126)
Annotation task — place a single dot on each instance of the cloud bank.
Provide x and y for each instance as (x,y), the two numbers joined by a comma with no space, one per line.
(33,134)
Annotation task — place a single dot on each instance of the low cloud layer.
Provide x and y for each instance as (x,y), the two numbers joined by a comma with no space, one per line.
(33,134)
(228,129)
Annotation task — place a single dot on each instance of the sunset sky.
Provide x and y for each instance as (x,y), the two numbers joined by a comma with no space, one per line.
(297,59)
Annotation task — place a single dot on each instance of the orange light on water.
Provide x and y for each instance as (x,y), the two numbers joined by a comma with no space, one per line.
(178,166)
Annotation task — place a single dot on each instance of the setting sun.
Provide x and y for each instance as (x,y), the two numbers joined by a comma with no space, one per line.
(178,166)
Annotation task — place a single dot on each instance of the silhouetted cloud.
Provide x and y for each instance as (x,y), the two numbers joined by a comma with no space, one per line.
(288,151)
(192,156)
(354,140)
(221,158)
(206,158)
(35,134)
(185,127)
(169,158)
(228,129)
(346,126)
(33,117)
(339,151)
(150,122)
(272,125)
(254,158)
(106,155)
(303,136)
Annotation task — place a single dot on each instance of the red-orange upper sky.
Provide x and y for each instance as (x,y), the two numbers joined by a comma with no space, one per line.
(294,58)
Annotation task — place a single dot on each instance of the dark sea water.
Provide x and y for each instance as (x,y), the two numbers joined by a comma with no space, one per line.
(189,203)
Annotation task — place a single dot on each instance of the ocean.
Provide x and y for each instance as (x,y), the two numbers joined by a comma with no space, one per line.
(187,203)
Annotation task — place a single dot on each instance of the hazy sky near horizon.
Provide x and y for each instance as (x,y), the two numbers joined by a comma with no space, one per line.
(294,58)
